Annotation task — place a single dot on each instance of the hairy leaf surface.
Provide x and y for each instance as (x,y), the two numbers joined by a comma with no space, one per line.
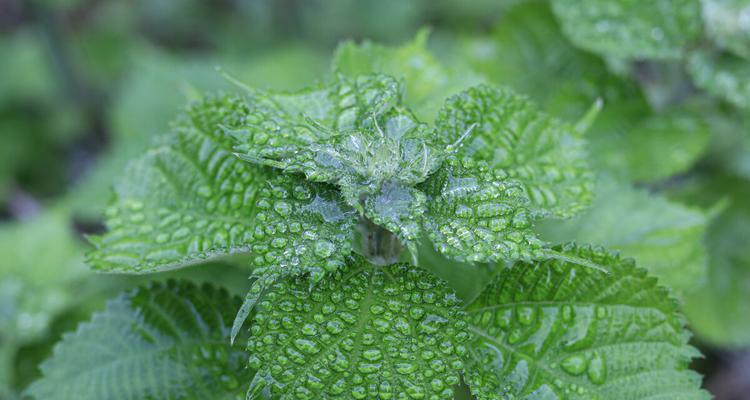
(165,341)
(301,227)
(557,329)
(724,76)
(387,332)
(398,209)
(509,132)
(183,202)
(359,141)
(659,29)
(477,214)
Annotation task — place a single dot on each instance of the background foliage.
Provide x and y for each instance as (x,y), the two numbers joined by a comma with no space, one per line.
(87,85)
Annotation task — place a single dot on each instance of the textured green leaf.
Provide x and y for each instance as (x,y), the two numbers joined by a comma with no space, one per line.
(427,81)
(358,139)
(355,138)
(663,236)
(724,76)
(369,332)
(477,214)
(544,154)
(398,209)
(165,341)
(184,202)
(556,329)
(727,24)
(659,29)
(301,227)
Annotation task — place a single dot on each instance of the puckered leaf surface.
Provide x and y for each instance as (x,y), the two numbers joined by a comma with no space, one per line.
(386,332)
(663,236)
(300,227)
(186,201)
(360,140)
(166,341)
(478,214)
(400,210)
(557,330)
(659,29)
(508,132)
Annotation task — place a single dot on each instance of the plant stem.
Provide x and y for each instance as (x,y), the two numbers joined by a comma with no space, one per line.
(379,246)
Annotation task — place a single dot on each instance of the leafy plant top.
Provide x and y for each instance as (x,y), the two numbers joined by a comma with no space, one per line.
(322,159)
(327,191)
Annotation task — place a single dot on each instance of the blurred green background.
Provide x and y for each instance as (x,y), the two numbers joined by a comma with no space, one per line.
(86,85)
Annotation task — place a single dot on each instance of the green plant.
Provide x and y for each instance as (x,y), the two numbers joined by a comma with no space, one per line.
(349,199)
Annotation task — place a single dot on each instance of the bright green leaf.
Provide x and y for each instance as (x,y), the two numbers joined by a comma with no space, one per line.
(399,210)
(509,132)
(369,332)
(724,76)
(663,236)
(301,227)
(557,329)
(658,29)
(727,24)
(427,81)
(352,136)
(184,202)
(477,214)
(166,341)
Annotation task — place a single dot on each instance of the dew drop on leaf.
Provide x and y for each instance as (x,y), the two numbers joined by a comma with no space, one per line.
(574,365)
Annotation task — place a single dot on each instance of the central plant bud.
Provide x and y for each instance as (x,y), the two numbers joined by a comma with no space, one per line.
(358,145)
(375,151)
(391,150)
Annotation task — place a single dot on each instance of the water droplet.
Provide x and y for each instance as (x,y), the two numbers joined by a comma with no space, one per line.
(372,354)
(574,365)
(324,249)
(567,313)
(282,208)
(162,238)
(597,369)
(405,368)
(526,315)
(204,191)
(306,346)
